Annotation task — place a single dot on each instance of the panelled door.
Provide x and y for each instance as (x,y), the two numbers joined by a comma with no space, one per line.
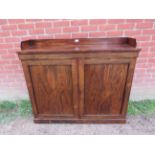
(90,88)
(54,82)
(102,85)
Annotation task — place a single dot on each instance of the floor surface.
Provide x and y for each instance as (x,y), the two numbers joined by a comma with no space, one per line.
(135,125)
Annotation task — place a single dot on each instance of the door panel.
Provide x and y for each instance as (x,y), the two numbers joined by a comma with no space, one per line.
(102,87)
(55,87)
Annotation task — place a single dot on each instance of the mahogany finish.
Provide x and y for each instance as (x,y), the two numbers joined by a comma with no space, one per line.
(79,80)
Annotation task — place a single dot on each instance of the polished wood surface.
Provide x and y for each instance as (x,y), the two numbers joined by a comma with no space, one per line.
(79,45)
(79,80)
(53,87)
(103,89)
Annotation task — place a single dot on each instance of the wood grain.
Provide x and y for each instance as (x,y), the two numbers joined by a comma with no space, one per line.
(69,43)
(104,87)
(53,88)
(88,81)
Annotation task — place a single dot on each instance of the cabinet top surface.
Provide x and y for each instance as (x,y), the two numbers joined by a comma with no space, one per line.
(119,44)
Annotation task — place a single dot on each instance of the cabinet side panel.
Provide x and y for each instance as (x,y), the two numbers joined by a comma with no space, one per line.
(128,86)
(53,89)
(27,74)
(104,88)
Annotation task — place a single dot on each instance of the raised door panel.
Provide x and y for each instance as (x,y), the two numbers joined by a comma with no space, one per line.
(55,88)
(102,87)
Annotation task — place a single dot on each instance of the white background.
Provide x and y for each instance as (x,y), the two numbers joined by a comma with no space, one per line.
(77,9)
(77,145)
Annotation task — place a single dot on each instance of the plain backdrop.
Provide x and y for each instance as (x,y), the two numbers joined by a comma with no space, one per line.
(62,9)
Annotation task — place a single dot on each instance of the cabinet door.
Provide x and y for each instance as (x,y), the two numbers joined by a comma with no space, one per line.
(54,84)
(102,86)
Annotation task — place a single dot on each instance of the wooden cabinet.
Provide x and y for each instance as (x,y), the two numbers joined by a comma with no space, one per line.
(79,80)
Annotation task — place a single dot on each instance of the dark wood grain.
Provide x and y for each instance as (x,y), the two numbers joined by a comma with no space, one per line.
(50,43)
(120,44)
(104,87)
(88,81)
(128,86)
(53,88)
(30,88)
